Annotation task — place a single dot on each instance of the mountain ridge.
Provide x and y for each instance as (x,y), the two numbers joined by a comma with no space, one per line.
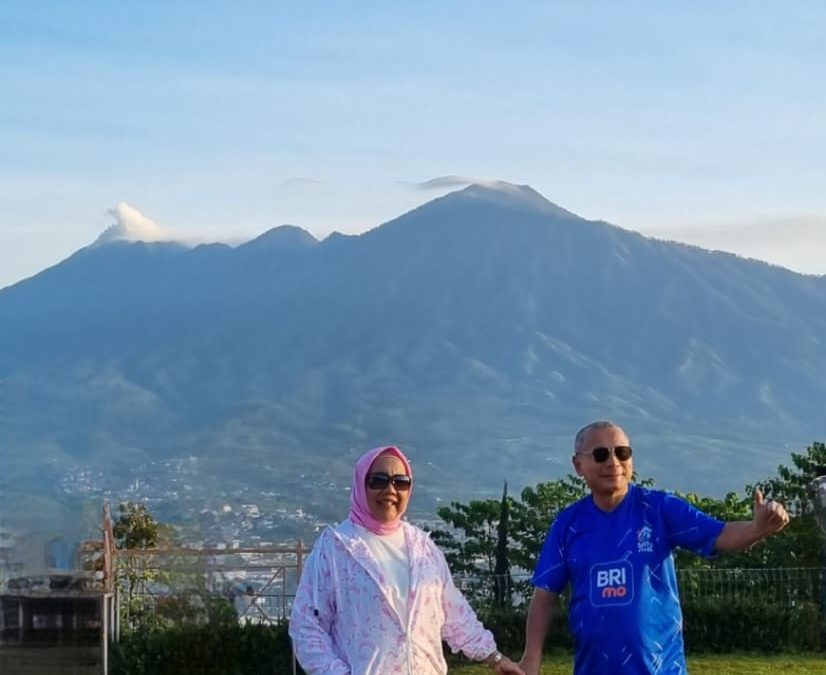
(480,330)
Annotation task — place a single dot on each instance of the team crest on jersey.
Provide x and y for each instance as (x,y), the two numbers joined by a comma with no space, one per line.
(644,543)
(612,583)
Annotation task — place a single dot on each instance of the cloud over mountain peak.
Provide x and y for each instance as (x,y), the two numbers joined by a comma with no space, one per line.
(131,225)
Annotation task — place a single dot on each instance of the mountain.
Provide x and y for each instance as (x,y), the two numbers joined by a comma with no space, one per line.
(480,331)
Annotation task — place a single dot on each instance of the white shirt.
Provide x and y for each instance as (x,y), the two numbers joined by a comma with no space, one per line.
(390,552)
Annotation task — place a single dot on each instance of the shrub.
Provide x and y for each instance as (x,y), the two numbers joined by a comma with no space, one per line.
(204,650)
(719,626)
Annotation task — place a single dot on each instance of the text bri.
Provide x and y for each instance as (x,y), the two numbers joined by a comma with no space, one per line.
(612,582)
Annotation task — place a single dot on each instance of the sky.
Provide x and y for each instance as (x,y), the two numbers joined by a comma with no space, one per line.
(702,122)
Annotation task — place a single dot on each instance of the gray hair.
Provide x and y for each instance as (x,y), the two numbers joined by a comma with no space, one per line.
(582,434)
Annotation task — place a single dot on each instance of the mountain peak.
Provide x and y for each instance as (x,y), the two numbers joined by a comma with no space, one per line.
(283,237)
(131,226)
(509,195)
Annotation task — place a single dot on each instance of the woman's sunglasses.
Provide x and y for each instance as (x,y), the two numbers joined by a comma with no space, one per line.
(379,481)
(621,452)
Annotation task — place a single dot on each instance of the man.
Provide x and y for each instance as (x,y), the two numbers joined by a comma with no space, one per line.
(615,548)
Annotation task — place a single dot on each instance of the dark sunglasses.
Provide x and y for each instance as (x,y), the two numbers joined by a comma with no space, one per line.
(379,481)
(621,452)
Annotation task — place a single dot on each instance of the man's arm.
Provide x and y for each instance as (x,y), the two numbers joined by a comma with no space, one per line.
(539,621)
(769,518)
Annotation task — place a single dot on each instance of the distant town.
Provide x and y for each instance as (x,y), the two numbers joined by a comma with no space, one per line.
(205,515)
(202,513)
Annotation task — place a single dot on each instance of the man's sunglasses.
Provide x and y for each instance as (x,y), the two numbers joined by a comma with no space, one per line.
(379,481)
(621,452)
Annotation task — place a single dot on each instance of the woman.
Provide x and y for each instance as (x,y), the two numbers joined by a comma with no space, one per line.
(376,596)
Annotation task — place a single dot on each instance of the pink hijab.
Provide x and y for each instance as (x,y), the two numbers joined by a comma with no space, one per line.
(359,506)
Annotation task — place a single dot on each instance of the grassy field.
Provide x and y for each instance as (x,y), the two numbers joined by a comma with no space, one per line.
(701,665)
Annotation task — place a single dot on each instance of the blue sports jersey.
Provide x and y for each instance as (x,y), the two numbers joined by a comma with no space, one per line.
(624,611)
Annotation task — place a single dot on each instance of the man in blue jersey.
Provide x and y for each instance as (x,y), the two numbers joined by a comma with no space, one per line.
(615,549)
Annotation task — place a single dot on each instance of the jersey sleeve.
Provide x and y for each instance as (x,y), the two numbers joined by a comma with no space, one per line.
(551,573)
(690,528)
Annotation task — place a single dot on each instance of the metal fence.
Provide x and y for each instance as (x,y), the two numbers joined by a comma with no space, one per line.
(785,586)
(182,583)
(781,587)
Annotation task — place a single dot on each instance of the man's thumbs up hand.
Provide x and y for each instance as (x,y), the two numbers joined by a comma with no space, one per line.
(758,498)
(769,516)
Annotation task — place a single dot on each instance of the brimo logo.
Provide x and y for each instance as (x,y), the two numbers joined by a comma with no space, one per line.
(612,583)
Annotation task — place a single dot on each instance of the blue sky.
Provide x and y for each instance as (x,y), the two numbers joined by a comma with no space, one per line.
(702,121)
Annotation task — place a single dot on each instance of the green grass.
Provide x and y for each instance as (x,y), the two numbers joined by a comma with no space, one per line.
(728,664)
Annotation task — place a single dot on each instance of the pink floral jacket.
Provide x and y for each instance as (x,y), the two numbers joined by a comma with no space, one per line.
(342,622)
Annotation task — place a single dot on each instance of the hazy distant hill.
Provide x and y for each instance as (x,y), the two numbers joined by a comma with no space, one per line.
(479,330)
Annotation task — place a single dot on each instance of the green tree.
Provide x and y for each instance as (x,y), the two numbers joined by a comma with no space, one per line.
(489,536)
(473,546)
(531,518)
(731,507)
(800,544)
(135,527)
(503,582)
(161,594)
(470,544)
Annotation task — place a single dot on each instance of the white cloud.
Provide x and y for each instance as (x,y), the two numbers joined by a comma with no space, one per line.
(778,231)
(132,225)
(795,242)
(451,182)
(443,182)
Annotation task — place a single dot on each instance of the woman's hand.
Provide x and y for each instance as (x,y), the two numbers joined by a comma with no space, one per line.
(505,666)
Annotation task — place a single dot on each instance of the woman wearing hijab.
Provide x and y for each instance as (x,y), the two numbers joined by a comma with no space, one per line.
(376,596)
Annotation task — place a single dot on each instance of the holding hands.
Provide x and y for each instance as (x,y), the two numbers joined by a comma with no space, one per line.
(502,665)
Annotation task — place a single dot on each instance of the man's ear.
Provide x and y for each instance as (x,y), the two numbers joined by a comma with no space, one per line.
(575,461)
